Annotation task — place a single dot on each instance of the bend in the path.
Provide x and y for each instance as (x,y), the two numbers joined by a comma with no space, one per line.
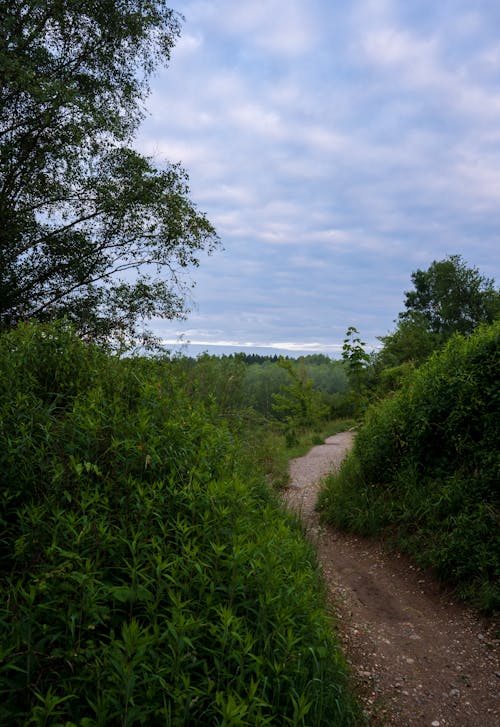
(420,657)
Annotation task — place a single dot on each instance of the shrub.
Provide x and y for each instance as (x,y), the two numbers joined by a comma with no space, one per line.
(147,577)
(425,467)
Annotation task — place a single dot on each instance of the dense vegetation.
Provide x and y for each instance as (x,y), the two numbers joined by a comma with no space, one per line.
(148,573)
(425,467)
(449,297)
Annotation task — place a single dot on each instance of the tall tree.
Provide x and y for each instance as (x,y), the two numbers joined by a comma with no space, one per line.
(90,230)
(298,404)
(451,297)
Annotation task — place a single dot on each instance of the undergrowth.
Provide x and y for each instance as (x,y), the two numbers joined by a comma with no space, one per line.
(425,469)
(266,445)
(148,574)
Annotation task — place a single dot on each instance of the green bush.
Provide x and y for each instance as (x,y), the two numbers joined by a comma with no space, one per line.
(147,576)
(425,468)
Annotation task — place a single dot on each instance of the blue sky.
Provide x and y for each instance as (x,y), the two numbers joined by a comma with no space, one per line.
(337,147)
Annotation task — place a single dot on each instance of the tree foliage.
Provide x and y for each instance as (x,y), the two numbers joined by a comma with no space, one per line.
(263,380)
(410,341)
(357,361)
(449,297)
(89,229)
(298,404)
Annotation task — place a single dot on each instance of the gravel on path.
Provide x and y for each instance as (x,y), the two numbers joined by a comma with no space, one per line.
(418,657)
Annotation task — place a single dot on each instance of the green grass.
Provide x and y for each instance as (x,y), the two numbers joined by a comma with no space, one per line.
(267,445)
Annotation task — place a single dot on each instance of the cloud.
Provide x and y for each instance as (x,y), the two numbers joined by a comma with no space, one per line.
(294,346)
(257,119)
(282,27)
(336,148)
(188,44)
(390,46)
(432,64)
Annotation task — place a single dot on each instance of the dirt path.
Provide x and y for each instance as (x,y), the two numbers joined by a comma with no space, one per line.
(419,657)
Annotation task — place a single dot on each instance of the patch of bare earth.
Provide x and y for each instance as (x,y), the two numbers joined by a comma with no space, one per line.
(418,656)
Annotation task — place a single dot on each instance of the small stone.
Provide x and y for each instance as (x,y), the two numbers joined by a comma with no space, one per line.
(436,723)
(454,692)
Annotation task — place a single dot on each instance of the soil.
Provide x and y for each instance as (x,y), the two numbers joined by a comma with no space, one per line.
(418,656)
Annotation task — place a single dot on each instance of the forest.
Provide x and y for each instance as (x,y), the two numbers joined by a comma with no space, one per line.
(150,573)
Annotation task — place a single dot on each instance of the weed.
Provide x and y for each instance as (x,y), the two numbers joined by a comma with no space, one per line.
(149,574)
(425,468)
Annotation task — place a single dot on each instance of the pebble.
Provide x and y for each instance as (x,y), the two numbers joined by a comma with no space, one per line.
(457,677)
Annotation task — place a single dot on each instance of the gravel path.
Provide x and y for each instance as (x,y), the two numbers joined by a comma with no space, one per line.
(419,658)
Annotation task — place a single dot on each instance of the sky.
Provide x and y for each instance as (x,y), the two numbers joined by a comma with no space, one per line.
(337,146)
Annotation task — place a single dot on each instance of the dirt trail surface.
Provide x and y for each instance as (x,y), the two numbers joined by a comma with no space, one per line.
(418,657)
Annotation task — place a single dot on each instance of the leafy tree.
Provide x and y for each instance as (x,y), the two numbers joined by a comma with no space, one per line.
(298,404)
(261,382)
(90,230)
(451,297)
(357,361)
(411,341)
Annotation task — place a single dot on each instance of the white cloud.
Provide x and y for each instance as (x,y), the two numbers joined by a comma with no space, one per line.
(355,149)
(479,181)
(390,46)
(282,27)
(188,44)
(243,195)
(325,140)
(420,63)
(307,347)
(254,118)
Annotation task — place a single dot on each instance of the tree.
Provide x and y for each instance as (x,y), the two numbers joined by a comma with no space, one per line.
(410,341)
(451,297)
(298,404)
(90,230)
(357,361)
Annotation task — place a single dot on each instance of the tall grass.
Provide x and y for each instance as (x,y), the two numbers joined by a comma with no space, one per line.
(425,468)
(148,575)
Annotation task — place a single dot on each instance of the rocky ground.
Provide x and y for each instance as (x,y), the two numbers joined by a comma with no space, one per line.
(418,657)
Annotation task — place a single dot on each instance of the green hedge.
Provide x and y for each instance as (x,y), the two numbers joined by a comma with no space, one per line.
(146,576)
(425,468)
